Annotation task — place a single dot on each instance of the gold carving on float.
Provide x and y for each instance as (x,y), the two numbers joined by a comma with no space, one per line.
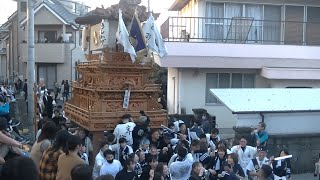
(95,38)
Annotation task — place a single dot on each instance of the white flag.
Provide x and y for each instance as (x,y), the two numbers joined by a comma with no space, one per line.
(154,38)
(123,38)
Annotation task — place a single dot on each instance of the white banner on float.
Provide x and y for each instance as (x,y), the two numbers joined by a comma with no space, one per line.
(126,99)
(104,33)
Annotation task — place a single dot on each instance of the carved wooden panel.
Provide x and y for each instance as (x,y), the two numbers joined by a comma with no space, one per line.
(98,94)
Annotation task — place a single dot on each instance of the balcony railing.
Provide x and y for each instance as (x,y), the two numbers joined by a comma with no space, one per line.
(48,52)
(240,30)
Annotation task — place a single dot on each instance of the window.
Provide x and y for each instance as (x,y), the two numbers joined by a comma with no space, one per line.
(227,80)
(294,17)
(255,31)
(243,23)
(47,36)
(214,21)
(23,6)
(272,24)
(313,26)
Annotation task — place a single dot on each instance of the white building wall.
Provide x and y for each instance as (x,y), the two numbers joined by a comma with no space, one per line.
(66,71)
(283,123)
(190,10)
(172,90)
(274,2)
(262,82)
(77,54)
(181,54)
(192,93)
(193,88)
(187,87)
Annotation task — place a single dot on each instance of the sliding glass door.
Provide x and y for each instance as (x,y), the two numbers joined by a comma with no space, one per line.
(294,18)
(313,26)
(272,24)
(256,13)
(214,22)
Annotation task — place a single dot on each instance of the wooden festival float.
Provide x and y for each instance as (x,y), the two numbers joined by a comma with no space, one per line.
(98,96)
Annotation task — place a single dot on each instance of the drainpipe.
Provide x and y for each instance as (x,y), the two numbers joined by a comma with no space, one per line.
(18,43)
(75,46)
(178,93)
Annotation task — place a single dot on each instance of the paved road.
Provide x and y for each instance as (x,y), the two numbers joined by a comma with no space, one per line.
(308,176)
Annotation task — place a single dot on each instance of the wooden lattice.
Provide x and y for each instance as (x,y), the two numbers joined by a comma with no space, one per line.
(98,94)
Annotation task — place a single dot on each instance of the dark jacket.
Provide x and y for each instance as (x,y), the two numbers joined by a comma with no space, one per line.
(160,144)
(213,165)
(283,170)
(145,173)
(194,177)
(139,132)
(165,156)
(49,106)
(236,170)
(125,175)
(66,88)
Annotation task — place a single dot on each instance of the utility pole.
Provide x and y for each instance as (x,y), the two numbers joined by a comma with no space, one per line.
(31,68)
(149,9)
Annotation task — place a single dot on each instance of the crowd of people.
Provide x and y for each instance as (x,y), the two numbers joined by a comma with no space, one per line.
(133,151)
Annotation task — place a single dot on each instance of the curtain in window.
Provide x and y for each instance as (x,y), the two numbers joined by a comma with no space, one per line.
(255,33)
(231,31)
(233,10)
(214,22)
(272,24)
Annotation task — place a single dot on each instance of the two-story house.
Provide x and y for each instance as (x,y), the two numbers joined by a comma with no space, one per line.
(239,44)
(57,40)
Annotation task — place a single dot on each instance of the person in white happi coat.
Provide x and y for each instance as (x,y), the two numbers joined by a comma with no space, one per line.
(181,168)
(255,164)
(245,153)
